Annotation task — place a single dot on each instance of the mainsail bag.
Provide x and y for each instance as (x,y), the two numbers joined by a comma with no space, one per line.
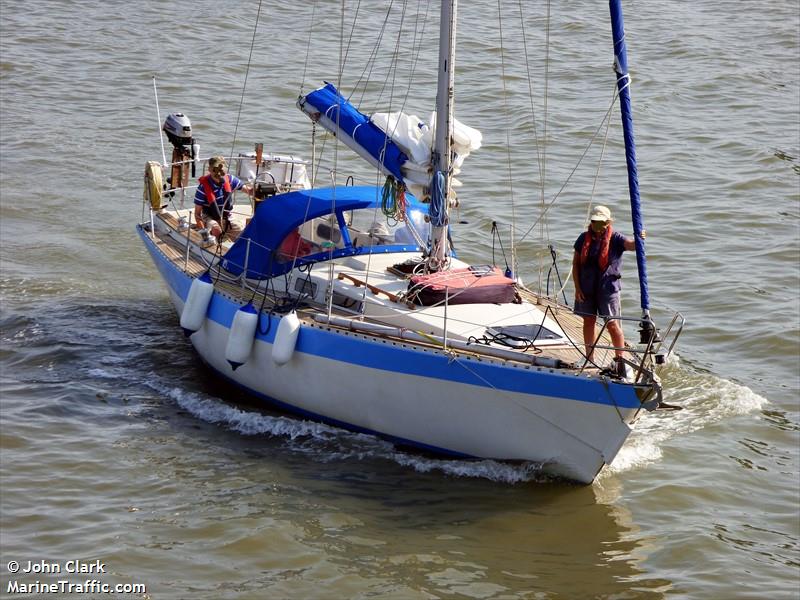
(473,285)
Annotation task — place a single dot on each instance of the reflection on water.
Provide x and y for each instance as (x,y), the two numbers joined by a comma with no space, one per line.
(477,540)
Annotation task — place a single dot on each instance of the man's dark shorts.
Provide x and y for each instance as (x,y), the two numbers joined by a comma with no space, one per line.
(605,306)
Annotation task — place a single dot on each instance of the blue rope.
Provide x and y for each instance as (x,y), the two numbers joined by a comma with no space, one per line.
(437,209)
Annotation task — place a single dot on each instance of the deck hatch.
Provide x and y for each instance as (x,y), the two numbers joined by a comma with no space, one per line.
(519,336)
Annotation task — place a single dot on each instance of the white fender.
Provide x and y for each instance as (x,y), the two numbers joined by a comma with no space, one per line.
(241,336)
(285,339)
(194,311)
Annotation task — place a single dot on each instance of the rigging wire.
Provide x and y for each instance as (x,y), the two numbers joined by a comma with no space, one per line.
(594,187)
(244,84)
(600,160)
(392,70)
(417,49)
(308,47)
(315,164)
(329,291)
(416,43)
(393,197)
(574,169)
(544,135)
(496,236)
(508,140)
(158,114)
(554,267)
(349,39)
(539,158)
(370,64)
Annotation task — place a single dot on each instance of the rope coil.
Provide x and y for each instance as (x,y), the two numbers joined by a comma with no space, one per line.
(393,201)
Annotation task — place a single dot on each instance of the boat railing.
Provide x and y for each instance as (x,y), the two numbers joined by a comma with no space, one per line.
(652,356)
(670,336)
(238,160)
(236,165)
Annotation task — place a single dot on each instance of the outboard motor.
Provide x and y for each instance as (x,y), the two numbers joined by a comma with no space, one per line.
(184,148)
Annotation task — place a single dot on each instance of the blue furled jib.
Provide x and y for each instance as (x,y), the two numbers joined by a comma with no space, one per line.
(623,84)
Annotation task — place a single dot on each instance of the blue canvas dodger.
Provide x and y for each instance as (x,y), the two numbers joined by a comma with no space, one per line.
(284,213)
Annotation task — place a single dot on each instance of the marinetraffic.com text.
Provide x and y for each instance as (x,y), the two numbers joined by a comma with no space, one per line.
(93,585)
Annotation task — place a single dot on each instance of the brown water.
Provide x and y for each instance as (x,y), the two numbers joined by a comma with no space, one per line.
(115,445)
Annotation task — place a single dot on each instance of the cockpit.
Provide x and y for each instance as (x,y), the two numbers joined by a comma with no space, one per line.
(307,226)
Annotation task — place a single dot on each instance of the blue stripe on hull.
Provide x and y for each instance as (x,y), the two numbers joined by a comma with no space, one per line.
(400,358)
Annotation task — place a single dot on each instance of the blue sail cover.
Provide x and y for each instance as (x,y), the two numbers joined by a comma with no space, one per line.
(336,114)
(623,84)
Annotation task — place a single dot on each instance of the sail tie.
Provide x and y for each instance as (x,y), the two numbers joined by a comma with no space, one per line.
(628,81)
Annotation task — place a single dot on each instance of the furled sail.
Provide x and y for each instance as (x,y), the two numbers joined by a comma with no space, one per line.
(623,84)
(335,113)
(415,139)
(397,143)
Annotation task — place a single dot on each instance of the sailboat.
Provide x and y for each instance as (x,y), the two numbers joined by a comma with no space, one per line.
(326,308)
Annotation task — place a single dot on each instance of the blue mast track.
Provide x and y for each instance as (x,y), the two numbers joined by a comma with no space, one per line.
(623,85)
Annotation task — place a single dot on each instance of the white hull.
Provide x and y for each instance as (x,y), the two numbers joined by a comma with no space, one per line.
(569,438)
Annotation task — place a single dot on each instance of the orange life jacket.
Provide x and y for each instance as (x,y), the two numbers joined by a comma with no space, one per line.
(208,189)
(605,242)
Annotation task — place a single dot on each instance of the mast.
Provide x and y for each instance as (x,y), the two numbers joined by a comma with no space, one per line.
(440,180)
(623,85)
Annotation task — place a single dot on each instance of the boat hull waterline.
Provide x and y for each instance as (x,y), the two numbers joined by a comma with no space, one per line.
(465,406)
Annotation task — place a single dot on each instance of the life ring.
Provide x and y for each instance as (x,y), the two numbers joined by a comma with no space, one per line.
(153,184)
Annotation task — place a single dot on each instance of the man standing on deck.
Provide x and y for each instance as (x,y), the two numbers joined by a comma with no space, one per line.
(596,272)
(213,201)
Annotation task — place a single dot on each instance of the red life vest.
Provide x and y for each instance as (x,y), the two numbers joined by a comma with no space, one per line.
(293,246)
(208,189)
(602,255)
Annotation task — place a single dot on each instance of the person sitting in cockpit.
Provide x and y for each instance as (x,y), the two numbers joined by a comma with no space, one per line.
(213,201)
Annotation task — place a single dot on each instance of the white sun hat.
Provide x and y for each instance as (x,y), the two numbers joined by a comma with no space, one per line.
(600,213)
